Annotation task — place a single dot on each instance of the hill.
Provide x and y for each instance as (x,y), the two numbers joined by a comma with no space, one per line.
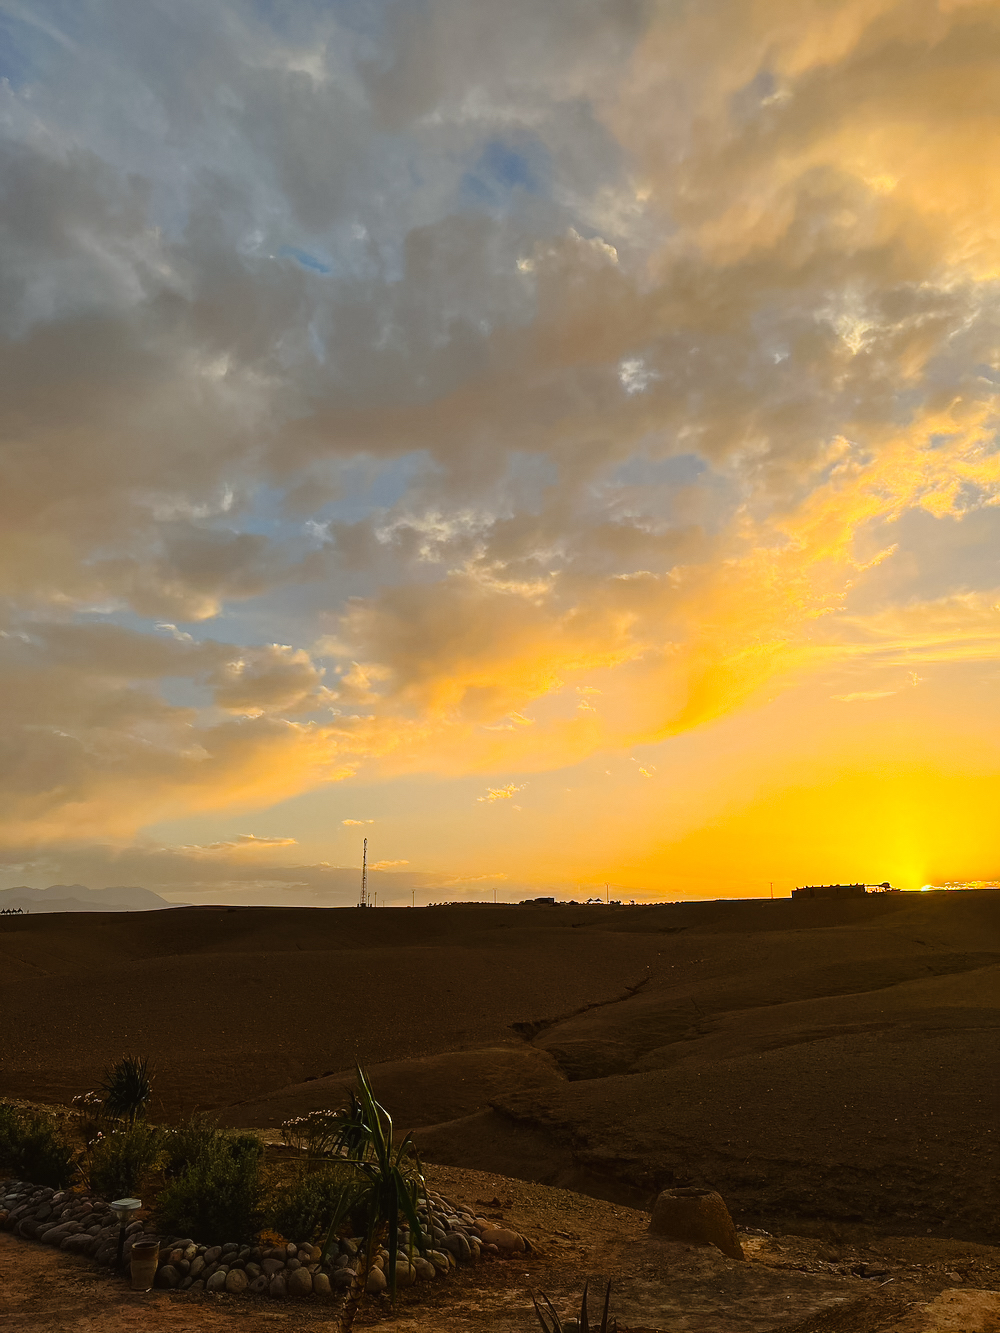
(808,1059)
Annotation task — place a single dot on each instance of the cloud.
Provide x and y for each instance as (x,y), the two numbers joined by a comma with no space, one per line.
(349,823)
(501,793)
(621,350)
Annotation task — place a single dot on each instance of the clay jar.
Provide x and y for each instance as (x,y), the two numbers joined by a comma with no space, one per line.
(698,1217)
(145,1253)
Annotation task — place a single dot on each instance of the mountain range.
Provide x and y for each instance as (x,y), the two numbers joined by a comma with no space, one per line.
(78,898)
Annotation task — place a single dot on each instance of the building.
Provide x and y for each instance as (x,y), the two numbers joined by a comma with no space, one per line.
(831,891)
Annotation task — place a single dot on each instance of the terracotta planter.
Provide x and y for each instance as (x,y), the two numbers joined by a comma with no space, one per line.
(145,1254)
(698,1217)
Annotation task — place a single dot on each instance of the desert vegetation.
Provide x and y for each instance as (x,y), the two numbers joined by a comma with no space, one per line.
(214,1184)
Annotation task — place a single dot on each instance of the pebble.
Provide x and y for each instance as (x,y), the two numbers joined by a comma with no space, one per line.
(84,1225)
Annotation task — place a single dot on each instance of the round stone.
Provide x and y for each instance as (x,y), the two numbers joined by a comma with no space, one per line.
(341,1278)
(321,1284)
(167,1276)
(278,1289)
(212,1255)
(260,1284)
(217,1282)
(376,1283)
(504,1240)
(425,1270)
(300,1282)
(236,1281)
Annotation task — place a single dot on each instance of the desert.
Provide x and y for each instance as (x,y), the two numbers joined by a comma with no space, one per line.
(827,1066)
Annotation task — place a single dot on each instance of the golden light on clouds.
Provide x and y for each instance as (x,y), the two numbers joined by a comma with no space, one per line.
(613,381)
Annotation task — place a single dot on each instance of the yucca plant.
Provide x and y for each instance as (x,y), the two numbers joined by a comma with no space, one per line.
(579,1325)
(386,1180)
(127,1088)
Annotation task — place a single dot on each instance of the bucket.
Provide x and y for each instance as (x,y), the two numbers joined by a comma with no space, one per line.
(145,1254)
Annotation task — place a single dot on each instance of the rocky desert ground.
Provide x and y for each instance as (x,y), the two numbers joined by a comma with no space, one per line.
(829,1067)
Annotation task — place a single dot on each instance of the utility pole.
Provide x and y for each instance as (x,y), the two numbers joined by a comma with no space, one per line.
(413,897)
(364,876)
(772,890)
(494,897)
(607,895)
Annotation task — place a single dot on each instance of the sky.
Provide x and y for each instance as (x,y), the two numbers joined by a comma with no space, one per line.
(555,442)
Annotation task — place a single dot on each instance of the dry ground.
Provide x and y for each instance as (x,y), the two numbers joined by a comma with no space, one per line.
(788,1282)
(814,1061)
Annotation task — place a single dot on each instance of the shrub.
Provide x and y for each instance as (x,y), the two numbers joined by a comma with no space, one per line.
(32,1148)
(127,1088)
(218,1190)
(121,1159)
(304,1207)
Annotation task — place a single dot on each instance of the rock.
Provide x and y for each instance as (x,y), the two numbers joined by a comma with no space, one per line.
(406,1274)
(273,1266)
(458,1245)
(321,1284)
(197,1285)
(277,1287)
(293,1263)
(244,1254)
(260,1284)
(440,1260)
(217,1282)
(291,1249)
(236,1282)
(341,1278)
(176,1256)
(211,1255)
(230,1248)
(425,1270)
(197,1266)
(300,1282)
(253,1271)
(190,1251)
(503,1239)
(376,1283)
(349,1247)
(167,1276)
(696,1217)
(278,1253)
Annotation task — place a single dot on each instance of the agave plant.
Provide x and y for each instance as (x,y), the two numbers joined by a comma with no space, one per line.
(127,1088)
(387,1180)
(579,1325)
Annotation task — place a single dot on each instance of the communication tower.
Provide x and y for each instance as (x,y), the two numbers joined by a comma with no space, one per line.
(364,876)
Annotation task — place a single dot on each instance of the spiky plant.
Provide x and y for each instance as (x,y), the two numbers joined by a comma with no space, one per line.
(127,1088)
(386,1179)
(582,1324)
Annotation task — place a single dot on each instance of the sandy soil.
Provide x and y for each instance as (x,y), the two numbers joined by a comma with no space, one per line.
(787,1282)
(816,1062)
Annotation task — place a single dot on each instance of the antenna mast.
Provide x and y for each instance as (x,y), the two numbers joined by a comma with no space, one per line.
(364,876)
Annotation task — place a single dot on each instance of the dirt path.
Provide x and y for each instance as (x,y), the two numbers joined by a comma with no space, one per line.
(658,1287)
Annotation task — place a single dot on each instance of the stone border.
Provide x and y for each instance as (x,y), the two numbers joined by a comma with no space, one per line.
(84,1224)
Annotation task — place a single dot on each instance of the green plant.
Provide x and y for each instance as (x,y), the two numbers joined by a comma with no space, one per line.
(32,1147)
(127,1088)
(578,1325)
(120,1160)
(218,1191)
(303,1207)
(316,1134)
(384,1181)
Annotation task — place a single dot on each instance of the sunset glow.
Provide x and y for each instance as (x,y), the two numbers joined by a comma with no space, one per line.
(558,444)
